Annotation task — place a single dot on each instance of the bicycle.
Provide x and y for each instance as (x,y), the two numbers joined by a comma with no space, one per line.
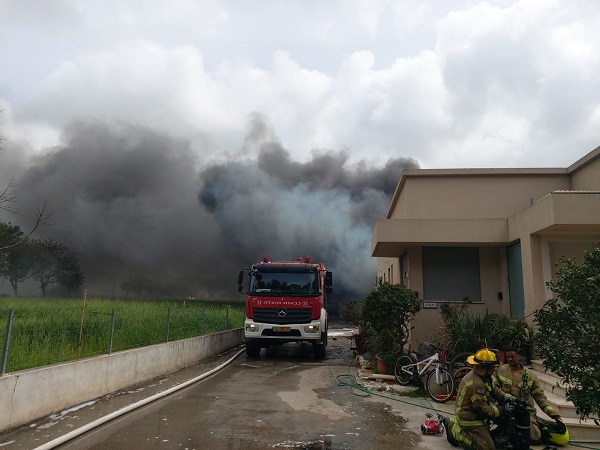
(440,384)
(459,365)
(460,360)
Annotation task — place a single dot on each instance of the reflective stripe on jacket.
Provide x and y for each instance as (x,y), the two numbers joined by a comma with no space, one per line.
(475,401)
(524,385)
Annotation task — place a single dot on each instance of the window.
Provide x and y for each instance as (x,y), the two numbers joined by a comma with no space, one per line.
(451,274)
(284,282)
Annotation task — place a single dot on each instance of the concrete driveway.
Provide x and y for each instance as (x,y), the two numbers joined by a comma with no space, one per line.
(284,399)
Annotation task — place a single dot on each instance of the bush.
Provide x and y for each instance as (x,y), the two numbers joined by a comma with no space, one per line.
(568,330)
(468,332)
(388,310)
(351,313)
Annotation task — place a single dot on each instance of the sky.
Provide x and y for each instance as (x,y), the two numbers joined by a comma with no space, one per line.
(184,139)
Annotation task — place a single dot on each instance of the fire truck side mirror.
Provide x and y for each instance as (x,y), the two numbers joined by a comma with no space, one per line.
(241,281)
(328,282)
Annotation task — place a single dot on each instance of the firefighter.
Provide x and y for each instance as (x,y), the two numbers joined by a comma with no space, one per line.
(476,401)
(516,380)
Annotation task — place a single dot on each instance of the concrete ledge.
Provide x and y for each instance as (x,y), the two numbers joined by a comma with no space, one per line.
(30,394)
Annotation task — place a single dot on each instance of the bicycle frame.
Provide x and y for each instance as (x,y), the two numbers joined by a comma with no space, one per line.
(426,363)
(439,383)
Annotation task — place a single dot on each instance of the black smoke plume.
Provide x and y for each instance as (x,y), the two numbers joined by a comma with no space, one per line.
(138,205)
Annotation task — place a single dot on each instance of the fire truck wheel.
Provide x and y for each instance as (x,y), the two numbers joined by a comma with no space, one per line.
(252,349)
(319,349)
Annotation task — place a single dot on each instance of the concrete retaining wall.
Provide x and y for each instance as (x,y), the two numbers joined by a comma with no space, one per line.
(30,394)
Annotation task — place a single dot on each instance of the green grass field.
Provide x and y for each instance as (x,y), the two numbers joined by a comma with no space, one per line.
(46,331)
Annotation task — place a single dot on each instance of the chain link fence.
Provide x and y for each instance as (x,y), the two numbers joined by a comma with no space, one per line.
(39,332)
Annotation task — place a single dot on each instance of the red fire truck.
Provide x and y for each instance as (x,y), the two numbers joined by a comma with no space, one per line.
(286,302)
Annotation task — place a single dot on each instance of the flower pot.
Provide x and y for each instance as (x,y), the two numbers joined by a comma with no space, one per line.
(382,367)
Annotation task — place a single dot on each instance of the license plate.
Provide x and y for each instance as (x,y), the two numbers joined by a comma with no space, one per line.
(281,329)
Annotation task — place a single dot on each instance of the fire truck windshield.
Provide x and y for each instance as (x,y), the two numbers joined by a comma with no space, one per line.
(284,283)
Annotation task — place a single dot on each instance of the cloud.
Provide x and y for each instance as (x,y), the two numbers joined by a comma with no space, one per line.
(500,84)
(313,107)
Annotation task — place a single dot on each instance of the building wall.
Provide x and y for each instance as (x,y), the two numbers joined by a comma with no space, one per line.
(30,394)
(490,195)
(492,262)
(572,218)
(586,176)
(492,267)
(552,213)
(570,247)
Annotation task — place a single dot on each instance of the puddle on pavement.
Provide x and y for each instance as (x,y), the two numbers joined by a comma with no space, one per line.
(379,428)
(317,444)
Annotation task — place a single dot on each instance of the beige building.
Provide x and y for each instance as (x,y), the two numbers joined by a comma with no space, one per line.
(492,235)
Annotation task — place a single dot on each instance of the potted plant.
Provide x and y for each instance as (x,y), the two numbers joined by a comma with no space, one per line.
(466,331)
(388,311)
(519,336)
(385,363)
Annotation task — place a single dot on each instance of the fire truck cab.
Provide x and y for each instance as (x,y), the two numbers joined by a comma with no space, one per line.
(286,302)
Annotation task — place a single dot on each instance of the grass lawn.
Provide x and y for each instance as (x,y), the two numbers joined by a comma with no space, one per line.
(47,330)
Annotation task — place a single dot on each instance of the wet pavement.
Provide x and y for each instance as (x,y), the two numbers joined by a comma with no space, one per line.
(284,399)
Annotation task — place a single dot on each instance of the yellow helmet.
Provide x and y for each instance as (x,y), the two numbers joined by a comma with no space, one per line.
(483,357)
(555,433)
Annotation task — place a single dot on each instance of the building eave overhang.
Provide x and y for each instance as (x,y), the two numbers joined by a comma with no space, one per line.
(391,237)
(559,213)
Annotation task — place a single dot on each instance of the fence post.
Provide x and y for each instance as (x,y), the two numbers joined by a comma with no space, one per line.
(168,321)
(226,317)
(9,323)
(81,324)
(112,332)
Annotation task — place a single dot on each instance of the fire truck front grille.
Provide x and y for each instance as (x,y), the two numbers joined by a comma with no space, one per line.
(274,315)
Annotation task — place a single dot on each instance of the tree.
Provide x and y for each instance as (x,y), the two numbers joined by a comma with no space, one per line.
(7,203)
(15,260)
(7,198)
(568,330)
(388,310)
(19,265)
(55,263)
(8,234)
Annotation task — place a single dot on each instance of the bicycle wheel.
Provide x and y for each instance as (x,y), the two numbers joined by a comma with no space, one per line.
(405,370)
(440,385)
(459,361)
(459,374)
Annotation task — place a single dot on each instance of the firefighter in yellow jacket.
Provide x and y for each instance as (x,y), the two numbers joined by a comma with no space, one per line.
(516,380)
(477,400)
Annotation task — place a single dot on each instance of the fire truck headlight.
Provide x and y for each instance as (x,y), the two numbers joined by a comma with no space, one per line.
(311,329)
(252,328)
